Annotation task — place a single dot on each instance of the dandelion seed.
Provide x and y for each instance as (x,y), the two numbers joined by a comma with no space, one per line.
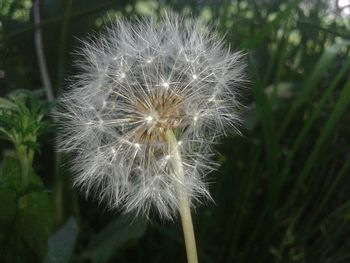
(121,130)
(149,119)
(137,145)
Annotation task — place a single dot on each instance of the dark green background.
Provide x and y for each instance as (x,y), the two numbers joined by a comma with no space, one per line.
(282,193)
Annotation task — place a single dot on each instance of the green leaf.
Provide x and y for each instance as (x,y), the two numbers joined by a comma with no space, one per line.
(119,232)
(32,145)
(341,105)
(7,104)
(7,204)
(23,125)
(25,219)
(264,112)
(302,135)
(339,108)
(310,85)
(37,219)
(10,173)
(61,244)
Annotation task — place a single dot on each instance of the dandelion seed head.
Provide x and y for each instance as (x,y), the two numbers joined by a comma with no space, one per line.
(138,81)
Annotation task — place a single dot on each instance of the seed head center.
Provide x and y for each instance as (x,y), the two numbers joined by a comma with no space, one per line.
(160,112)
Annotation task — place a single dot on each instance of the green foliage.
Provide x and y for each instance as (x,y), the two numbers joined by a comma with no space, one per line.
(21,118)
(282,192)
(26,217)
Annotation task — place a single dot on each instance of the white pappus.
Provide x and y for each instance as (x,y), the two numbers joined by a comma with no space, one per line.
(137,81)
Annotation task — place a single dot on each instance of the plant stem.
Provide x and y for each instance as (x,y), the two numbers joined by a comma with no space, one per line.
(40,52)
(185,211)
(23,160)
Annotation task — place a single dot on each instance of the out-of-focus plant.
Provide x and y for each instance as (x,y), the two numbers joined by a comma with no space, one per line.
(25,221)
(21,122)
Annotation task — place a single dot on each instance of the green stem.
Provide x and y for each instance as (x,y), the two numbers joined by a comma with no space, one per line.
(185,211)
(23,160)
(30,158)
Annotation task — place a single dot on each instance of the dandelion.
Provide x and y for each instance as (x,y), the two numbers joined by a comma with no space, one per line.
(151,100)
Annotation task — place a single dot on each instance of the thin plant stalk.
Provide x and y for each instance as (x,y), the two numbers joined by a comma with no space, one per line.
(41,54)
(185,211)
(46,81)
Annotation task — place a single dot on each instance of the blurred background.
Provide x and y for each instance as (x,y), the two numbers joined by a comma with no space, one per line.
(282,193)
